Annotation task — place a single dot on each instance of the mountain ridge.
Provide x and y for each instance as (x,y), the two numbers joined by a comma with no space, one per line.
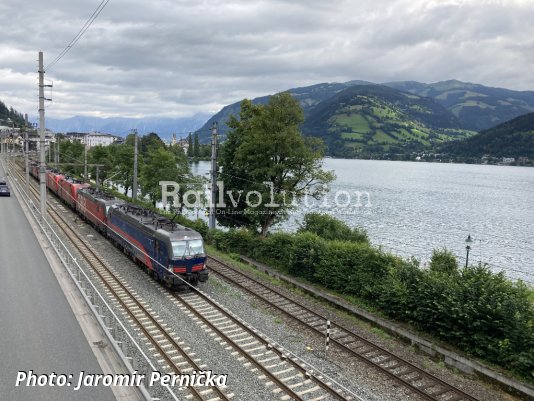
(472,107)
(121,126)
(477,107)
(511,139)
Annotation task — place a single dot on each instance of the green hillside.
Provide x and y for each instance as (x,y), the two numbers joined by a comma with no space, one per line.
(393,120)
(513,138)
(308,97)
(378,121)
(9,116)
(477,107)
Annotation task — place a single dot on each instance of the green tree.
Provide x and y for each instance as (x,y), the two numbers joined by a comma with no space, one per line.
(122,157)
(160,166)
(72,152)
(267,158)
(190,145)
(165,165)
(205,151)
(150,142)
(100,155)
(196,146)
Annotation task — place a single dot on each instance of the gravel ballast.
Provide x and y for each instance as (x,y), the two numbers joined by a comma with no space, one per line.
(363,381)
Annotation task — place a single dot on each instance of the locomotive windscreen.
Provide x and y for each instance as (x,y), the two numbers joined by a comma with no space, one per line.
(192,247)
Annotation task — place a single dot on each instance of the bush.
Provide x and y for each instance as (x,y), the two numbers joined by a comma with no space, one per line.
(443,261)
(276,250)
(330,228)
(308,252)
(397,293)
(351,268)
(483,313)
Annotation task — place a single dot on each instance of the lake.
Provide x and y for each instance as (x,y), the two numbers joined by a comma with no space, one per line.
(411,208)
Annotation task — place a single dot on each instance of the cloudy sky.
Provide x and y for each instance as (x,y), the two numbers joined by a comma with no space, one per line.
(178,57)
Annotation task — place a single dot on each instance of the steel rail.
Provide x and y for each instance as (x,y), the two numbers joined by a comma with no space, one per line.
(101,269)
(412,377)
(306,374)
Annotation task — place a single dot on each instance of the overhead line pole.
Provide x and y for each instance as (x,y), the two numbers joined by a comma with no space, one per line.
(134,180)
(85,163)
(26,162)
(42,178)
(212,220)
(56,153)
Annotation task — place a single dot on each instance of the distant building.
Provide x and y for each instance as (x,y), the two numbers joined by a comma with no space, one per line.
(35,140)
(98,139)
(92,139)
(522,160)
(508,160)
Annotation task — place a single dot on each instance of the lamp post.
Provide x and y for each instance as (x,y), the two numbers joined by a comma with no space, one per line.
(468,242)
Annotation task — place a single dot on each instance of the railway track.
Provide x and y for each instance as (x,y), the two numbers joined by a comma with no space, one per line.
(292,379)
(296,379)
(410,376)
(172,352)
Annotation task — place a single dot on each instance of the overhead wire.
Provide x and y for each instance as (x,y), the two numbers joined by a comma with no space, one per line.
(78,36)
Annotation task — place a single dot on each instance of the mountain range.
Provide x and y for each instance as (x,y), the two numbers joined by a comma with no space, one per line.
(119,126)
(356,118)
(477,107)
(363,119)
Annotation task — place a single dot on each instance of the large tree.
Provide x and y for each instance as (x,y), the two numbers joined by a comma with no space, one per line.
(150,142)
(162,164)
(101,155)
(122,157)
(196,145)
(268,165)
(190,145)
(71,152)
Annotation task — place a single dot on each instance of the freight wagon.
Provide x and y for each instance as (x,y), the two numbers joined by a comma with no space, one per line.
(94,205)
(68,190)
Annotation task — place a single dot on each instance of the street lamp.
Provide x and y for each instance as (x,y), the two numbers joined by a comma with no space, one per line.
(468,242)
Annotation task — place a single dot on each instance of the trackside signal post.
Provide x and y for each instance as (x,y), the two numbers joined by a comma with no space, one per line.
(213,175)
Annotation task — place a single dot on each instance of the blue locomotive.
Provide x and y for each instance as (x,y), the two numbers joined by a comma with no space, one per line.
(165,248)
(172,253)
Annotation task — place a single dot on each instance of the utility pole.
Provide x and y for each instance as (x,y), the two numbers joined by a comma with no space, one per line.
(26,162)
(97,177)
(134,181)
(85,164)
(212,220)
(42,178)
(57,151)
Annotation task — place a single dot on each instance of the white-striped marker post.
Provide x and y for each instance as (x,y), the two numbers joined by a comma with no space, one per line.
(327,339)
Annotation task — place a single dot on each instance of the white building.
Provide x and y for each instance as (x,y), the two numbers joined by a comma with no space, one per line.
(92,139)
(98,139)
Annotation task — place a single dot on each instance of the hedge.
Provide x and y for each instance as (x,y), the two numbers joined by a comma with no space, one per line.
(480,312)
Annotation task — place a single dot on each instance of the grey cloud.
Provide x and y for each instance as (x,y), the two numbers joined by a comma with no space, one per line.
(177,58)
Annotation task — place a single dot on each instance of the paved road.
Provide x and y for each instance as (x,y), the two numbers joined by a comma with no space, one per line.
(38,330)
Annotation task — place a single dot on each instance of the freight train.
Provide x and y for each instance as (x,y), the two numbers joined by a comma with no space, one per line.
(173,254)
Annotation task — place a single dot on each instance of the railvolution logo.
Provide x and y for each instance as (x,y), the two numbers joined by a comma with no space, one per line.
(270,199)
